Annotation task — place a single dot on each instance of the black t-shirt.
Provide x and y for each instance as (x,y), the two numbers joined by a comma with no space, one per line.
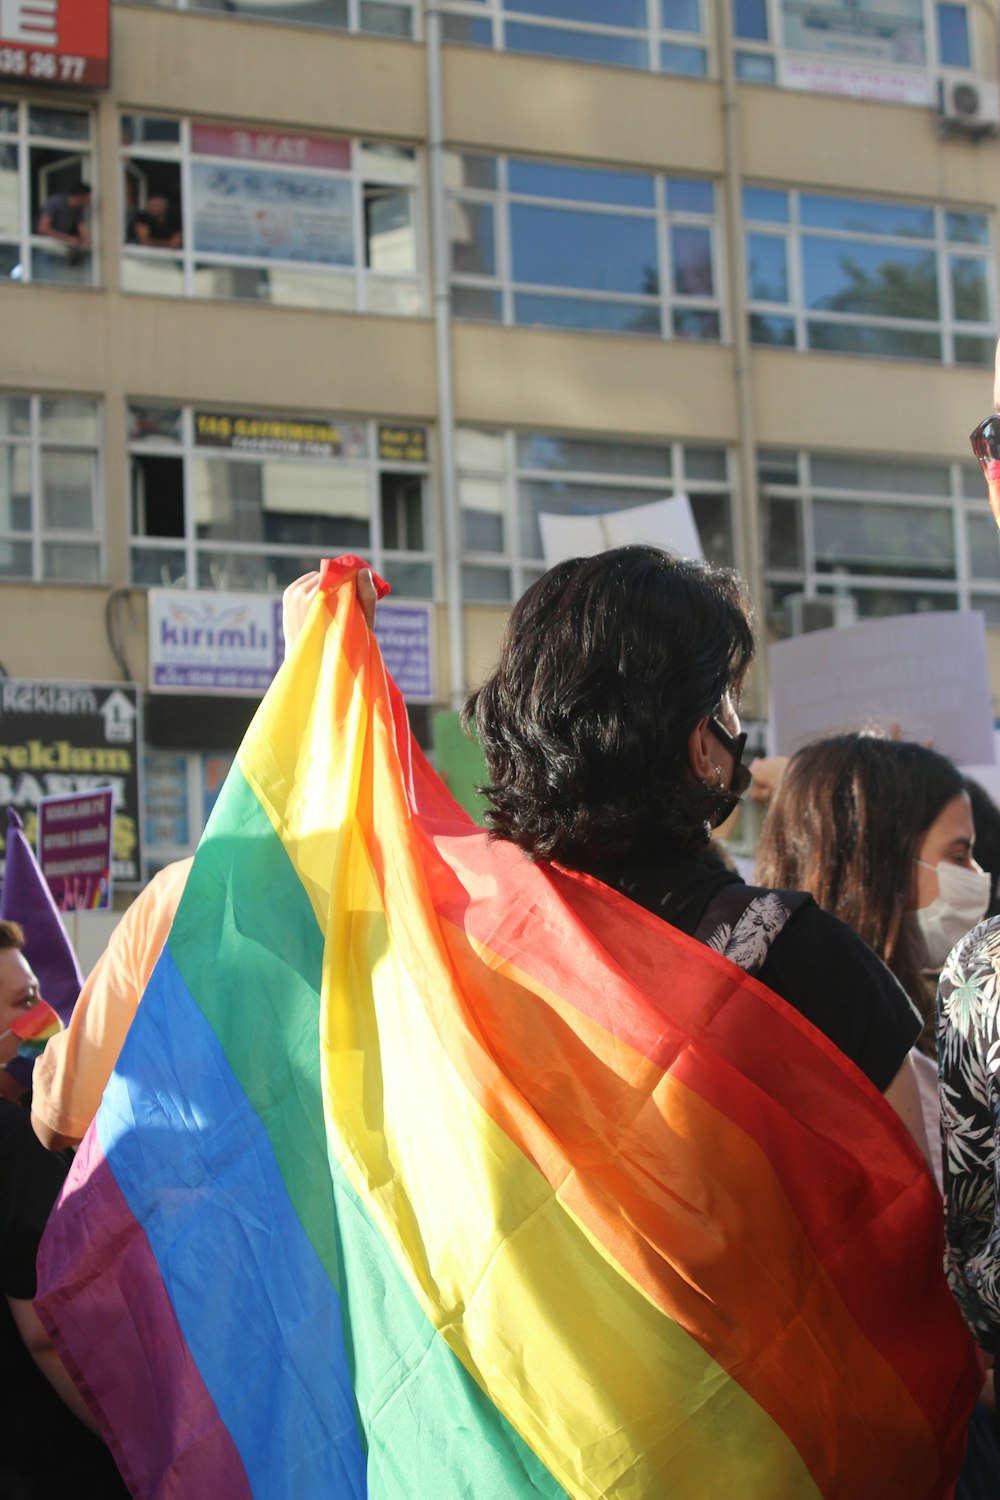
(47,1454)
(816,963)
(160,230)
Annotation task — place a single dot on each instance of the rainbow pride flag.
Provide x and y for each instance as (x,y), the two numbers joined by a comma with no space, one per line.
(429,1172)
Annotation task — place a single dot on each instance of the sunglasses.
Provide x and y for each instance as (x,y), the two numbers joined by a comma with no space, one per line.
(735,744)
(985,440)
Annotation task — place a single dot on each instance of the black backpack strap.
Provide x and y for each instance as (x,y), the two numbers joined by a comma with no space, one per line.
(742,921)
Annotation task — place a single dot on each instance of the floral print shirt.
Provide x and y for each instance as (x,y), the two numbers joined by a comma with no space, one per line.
(968,1035)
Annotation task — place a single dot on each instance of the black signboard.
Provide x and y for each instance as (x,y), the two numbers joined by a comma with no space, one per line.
(59,737)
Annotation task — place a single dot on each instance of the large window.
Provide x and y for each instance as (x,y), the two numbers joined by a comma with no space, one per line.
(507,480)
(45,218)
(238,211)
(667,36)
(248,501)
(899,537)
(540,242)
(863,276)
(852,47)
(50,522)
(381,17)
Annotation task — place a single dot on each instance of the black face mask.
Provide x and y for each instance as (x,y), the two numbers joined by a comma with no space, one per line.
(728,800)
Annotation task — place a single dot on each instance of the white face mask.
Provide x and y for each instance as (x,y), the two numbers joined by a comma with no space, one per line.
(961,904)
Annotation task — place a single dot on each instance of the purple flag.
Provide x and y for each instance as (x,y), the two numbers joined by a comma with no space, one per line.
(26,898)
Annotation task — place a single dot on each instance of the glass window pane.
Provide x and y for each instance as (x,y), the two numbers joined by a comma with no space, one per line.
(874,538)
(767,267)
(157,568)
(711,516)
(476,303)
(15,415)
(536,496)
(882,476)
(984,546)
(277,501)
(470,228)
(475,449)
(60,264)
(8,117)
(468,30)
(680,15)
(630,13)
(769,204)
(777,467)
(535,310)
(69,419)
(482,504)
(15,489)
(15,559)
(783,544)
(401,498)
(539,450)
(59,124)
(688,195)
(10,211)
(385,20)
(571,248)
(470,171)
(967,229)
(692,323)
(154,424)
(146,130)
(866,215)
(953,36)
(688,62)
(973,483)
(64,562)
(582,46)
(378,161)
(970,296)
(877,603)
(705,463)
(482,585)
(861,338)
(778,332)
(750,20)
(973,350)
(544,179)
(68,485)
(852,276)
(691,253)
(252,572)
(409,580)
(989,605)
(755,67)
(390,235)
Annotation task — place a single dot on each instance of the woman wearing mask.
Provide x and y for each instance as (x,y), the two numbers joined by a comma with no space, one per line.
(880,832)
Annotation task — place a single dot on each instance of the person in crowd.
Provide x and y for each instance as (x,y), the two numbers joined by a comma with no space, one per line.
(72,1073)
(158,225)
(65,217)
(48,1452)
(613,746)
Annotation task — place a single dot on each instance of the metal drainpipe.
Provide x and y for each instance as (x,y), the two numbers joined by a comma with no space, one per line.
(747,533)
(442,346)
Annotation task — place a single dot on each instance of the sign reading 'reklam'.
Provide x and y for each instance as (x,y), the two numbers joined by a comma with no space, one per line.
(73,738)
(74,848)
(58,43)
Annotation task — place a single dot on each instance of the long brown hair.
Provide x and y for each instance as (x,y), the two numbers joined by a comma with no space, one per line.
(845,825)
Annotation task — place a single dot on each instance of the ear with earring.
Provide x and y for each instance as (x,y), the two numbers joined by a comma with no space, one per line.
(715,784)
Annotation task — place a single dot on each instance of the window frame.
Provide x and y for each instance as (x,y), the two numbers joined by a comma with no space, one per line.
(963,587)
(793,232)
(38,535)
(363,280)
(523,569)
(667,302)
(186,450)
(496,15)
(24,140)
(355,10)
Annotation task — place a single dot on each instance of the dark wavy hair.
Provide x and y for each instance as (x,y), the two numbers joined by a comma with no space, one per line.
(845,825)
(606,665)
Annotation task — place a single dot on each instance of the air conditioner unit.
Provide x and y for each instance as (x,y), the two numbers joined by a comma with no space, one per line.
(808,612)
(969,106)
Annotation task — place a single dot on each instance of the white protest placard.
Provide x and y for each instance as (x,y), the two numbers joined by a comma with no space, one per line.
(663,523)
(926,674)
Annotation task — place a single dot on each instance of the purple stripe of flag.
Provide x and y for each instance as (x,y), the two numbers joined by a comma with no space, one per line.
(189,1450)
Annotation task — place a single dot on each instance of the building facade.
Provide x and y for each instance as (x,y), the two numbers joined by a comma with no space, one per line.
(396,279)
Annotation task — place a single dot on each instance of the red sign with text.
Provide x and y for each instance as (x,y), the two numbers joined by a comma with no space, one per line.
(272,148)
(63,43)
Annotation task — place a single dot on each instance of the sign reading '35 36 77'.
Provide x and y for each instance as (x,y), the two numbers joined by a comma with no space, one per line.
(55,42)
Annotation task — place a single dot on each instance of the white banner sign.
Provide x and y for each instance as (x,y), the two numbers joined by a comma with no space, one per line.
(664,523)
(272,215)
(926,674)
